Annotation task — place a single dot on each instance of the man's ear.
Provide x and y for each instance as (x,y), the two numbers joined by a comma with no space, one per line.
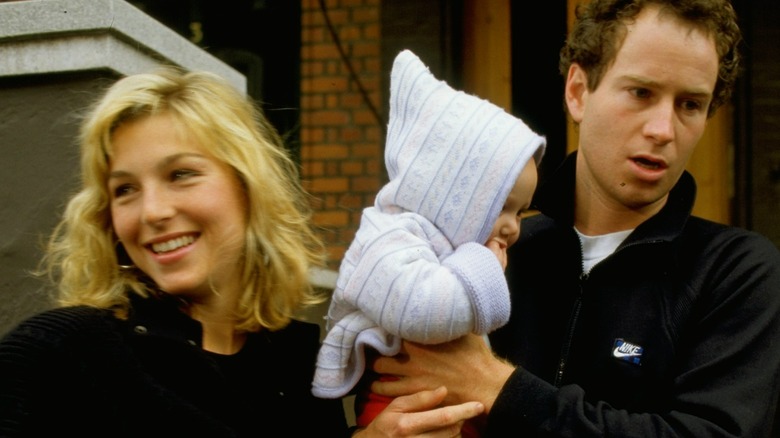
(576,92)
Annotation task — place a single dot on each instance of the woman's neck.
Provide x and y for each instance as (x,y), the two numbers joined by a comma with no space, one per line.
(222,338)
(218,322)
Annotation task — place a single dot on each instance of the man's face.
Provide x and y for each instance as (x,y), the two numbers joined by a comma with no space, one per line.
(639,127)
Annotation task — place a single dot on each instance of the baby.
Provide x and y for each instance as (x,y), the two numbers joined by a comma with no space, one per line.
(427,262)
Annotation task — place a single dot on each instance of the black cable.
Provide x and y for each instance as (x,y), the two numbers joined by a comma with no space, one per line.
(353,75)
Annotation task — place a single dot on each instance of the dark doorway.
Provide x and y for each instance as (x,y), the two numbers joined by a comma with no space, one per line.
(259,38)
(538,33)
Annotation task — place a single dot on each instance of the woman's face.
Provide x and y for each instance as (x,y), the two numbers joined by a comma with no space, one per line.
(179,212)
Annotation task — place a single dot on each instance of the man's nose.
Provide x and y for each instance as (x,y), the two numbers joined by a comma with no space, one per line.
(660,126)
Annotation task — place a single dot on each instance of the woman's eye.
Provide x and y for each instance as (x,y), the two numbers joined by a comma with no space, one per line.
(122,190)
(181,174)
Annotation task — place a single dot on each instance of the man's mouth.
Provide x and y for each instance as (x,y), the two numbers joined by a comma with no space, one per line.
(173,244)
(648,164)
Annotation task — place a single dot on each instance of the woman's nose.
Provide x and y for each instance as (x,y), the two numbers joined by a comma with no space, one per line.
(157,207)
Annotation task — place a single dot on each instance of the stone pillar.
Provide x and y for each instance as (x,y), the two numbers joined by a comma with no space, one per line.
(56,56)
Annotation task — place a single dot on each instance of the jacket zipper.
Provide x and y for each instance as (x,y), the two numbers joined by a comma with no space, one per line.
(575,313)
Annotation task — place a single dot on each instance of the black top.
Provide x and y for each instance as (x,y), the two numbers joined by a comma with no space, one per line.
(673,334)
(79,371)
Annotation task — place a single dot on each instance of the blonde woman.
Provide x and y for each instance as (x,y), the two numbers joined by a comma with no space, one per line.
(180,264)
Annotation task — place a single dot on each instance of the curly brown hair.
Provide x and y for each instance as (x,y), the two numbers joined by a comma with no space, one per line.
(597,34)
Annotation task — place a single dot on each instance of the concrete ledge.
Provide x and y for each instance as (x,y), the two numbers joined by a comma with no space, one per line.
(61,36)
(323,278)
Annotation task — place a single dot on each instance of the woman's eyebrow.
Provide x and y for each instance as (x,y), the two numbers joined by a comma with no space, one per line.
(162,164)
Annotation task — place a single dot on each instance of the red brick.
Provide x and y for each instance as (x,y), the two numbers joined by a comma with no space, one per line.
(375,167)
(332,168)
(327,84)
(350,33)
(367,150)
(319,118)
(341,138)
(365,15)
(347,235)
(371,31)
(321,51)
(365,184)
(324,185)
(312,101)
(313,168)
(331,202)
(328,151)
(352,168)
(337,16)
(312,135)
(364,117)
(335,254)
(351,100)
(331,218)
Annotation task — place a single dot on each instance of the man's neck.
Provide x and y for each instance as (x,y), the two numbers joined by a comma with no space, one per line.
(594,217)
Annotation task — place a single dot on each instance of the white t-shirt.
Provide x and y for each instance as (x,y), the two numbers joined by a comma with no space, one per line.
(597,248)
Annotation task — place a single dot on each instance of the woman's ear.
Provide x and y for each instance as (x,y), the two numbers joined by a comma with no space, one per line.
(576,92)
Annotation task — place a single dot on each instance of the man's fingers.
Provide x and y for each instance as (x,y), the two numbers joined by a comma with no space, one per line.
(445,421)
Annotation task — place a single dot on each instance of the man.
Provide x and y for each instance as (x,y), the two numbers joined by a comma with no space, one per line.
(629,316)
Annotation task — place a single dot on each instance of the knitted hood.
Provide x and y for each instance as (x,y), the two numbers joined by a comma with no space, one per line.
(451,157)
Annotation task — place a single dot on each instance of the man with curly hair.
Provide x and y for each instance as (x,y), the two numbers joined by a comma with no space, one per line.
(630,316)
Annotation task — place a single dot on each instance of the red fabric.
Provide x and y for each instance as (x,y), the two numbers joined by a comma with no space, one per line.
(368,405)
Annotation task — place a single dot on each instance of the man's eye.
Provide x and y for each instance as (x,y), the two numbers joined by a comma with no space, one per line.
(641,93)
(692,105)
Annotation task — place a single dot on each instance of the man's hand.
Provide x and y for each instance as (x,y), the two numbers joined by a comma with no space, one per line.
(466,367)
(419,415)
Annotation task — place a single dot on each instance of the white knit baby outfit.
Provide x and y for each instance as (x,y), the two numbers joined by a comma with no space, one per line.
(418,268)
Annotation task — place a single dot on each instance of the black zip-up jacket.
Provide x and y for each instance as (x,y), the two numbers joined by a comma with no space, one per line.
(677,333)
(81,372)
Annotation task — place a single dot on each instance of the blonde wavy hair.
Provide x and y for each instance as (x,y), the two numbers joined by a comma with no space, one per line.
(281,246)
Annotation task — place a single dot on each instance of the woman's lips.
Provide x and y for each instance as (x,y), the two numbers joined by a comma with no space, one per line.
(172,244)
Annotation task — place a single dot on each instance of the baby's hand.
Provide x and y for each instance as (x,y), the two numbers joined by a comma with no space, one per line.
(499,249)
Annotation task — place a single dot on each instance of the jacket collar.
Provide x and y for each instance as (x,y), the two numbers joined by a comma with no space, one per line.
(161,316)
(555,198)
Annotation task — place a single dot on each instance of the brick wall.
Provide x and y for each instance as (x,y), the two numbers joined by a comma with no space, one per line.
(341,132)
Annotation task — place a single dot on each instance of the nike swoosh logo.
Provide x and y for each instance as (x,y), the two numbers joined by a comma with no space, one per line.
(617,353)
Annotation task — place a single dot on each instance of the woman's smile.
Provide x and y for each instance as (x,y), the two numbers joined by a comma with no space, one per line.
(171,245)
(179,212)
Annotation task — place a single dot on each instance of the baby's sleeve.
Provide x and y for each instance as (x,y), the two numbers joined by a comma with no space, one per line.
(403,286)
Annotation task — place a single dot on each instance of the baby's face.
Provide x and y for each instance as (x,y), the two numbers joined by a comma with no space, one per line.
(506,230)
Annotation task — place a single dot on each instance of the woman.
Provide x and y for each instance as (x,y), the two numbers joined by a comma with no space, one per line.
(180,265)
